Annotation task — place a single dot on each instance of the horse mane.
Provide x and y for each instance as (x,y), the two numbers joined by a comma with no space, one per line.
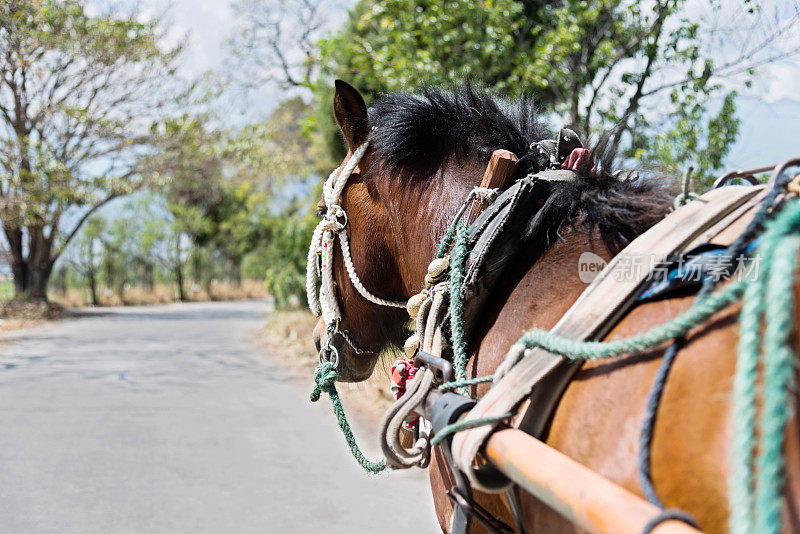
(417,134)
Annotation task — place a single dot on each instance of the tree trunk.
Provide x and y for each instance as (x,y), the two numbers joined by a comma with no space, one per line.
(93,287)
(179,281)
(197,267)
(110,272)
(208,286)
(32,272)
(148,278)
(39,277)
(236,271)
(179,270)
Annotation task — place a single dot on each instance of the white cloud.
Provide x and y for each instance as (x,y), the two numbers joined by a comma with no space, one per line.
(778,81)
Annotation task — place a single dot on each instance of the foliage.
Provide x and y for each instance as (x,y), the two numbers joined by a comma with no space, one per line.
(285,256)
(76,94)
(396,44)
(609,68)
(694,140)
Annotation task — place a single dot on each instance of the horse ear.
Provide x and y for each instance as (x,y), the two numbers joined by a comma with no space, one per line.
(350,112)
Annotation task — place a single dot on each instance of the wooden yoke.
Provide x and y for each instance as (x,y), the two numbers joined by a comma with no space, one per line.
(499,173)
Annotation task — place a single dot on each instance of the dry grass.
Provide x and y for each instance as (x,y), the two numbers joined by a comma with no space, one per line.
(17,314)
(20,314)
(160,294)
(288,334)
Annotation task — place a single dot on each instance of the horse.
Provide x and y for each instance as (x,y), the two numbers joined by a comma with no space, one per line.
(426,152)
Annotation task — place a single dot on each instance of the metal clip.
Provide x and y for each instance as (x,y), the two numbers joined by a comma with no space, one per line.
(328,353)
(477,511)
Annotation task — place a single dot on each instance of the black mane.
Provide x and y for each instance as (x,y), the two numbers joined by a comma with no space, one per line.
(416,134)
(431,128)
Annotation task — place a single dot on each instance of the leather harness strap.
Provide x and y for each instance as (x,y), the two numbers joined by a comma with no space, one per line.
(592,316)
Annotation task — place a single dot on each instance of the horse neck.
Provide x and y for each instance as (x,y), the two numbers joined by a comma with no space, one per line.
(535,292)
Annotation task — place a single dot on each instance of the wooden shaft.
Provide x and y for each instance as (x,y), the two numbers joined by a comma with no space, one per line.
(589,500)
(498,174)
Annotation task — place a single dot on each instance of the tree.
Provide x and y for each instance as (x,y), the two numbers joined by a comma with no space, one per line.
(694,140)
(85,255)
(92,237)
(277,41)
(77,93)
(285,254)
(606,66)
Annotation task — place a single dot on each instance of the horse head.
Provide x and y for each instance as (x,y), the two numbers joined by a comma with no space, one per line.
(412,160)
(364,328)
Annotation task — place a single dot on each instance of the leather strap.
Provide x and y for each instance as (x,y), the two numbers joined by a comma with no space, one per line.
(595,312)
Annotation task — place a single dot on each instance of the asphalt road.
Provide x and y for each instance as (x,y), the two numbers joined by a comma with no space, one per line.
(168,419)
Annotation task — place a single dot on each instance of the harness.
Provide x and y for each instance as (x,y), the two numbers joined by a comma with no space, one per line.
(448,308)
(320,260)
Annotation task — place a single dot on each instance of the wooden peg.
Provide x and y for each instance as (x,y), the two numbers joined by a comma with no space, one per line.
(499,173)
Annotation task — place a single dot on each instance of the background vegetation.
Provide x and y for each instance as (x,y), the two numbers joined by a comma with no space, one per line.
(121,180)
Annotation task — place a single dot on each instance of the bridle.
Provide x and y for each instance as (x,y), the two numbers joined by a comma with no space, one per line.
(320,260)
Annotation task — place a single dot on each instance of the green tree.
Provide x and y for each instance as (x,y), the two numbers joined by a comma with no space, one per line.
(286,253)
(610,68)
(86,257)
(76,95)
(191,162)
(694,140)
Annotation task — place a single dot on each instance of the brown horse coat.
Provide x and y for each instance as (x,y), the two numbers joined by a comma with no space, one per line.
(394,226)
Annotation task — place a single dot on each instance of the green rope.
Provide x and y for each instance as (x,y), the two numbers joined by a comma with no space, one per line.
(596,350)
(447,241)
(458,426)
(325,381)
(447,386)
(778,376)
(744,408)
(458,257)
(756,494)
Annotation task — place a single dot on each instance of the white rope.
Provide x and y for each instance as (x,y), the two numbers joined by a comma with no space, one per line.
(351,271)
(484,194)
(322,241)
(312,272)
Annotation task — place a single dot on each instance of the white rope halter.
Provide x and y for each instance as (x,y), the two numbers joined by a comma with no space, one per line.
(334,222)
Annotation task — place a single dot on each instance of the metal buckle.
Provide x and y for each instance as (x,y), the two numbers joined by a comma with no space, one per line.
(444,367)
(477,511)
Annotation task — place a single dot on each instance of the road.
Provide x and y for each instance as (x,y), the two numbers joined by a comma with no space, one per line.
(168,419)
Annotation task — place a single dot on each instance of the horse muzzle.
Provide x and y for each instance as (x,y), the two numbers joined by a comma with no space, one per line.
(351,367)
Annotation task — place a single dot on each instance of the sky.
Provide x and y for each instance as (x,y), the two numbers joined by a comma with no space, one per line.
(770,110)
(208,24)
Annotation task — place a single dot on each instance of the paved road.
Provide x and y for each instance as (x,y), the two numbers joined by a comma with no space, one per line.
(167,419)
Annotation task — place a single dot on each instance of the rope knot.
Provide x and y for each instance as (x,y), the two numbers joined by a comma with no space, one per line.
(485,194)
(325,377)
